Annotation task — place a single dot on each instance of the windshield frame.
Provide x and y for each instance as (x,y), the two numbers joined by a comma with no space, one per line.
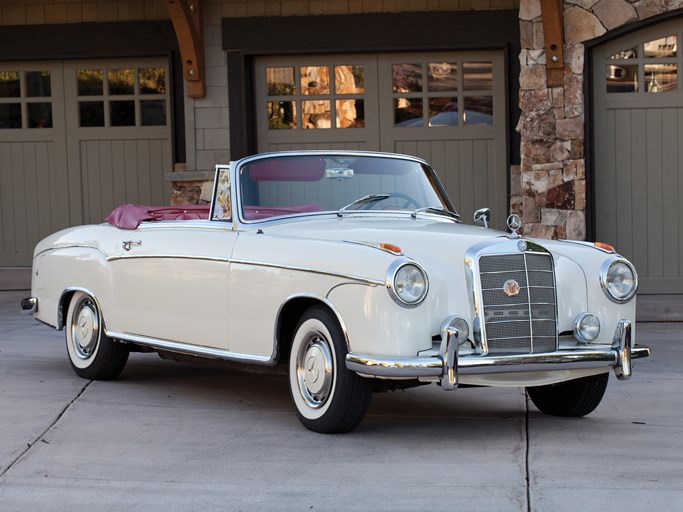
(238,203)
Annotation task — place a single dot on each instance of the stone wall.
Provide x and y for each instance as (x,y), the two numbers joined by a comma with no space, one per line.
(549,191)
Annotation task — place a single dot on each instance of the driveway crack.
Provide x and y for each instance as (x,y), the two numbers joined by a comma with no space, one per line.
(40,436)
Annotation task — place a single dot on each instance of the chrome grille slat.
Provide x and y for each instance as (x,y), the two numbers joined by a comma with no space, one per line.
(525,322)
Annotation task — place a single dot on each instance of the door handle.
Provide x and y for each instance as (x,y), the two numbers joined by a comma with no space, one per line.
(127,244)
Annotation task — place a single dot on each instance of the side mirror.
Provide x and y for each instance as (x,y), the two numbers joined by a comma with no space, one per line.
(482,217)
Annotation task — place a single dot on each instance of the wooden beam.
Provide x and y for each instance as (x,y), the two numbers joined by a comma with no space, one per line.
(553,34)
(186,16)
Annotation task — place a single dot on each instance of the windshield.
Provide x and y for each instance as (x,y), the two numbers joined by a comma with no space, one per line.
(298,184)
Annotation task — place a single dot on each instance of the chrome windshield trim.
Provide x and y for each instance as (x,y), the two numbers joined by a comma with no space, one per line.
(198,350)
(360,279)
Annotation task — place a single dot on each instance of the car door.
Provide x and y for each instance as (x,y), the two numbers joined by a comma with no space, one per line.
(170,282)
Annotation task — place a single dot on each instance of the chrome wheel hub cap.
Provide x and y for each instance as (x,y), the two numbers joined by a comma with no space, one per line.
(315,370)
(85,330)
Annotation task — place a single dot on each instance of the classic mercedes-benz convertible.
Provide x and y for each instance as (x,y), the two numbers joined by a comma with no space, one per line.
(352,271)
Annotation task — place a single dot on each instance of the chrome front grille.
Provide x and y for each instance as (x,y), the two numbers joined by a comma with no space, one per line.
(523,320)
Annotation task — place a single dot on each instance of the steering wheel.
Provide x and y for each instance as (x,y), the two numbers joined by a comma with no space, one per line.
(407,201)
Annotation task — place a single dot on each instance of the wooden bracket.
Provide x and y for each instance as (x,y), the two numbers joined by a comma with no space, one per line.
(186,16)
(553,34)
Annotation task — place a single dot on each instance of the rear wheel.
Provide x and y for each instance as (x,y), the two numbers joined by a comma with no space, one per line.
(93,355)
(577,397)
(328,397)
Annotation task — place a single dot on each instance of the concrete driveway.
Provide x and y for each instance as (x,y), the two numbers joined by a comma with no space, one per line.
(173,437)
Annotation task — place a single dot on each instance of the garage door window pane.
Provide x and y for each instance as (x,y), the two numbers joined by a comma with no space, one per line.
(660,48)
(660,77)
(9,84)
(39,115)
(121,81)
(406,77)
(315,80)
(91,113)
(349,80)
(622,78)
(630,53)
(478,110)
(350,113)
(478,76)
(408,112)
(89,82)
(442,76)
(315,114)
(10,115)
(38,84)
(282,115)
(152,80)
(443,112)
(280,81)
(153,112)
(122,113)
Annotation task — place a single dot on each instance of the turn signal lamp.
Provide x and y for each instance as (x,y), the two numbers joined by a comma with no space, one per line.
(391,248)
(604,246)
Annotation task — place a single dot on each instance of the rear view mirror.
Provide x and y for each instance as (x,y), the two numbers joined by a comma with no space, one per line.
(482,217)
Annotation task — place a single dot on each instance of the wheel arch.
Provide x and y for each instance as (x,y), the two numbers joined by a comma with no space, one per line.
(288,317)
(65,300)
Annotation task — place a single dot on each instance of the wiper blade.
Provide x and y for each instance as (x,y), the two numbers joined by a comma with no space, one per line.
(370,198)
(436,210)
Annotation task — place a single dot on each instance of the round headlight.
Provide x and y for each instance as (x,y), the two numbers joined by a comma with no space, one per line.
(409,285)
(586,327)
(619,280)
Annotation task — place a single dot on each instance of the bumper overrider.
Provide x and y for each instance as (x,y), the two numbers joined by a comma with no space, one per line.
(447,366)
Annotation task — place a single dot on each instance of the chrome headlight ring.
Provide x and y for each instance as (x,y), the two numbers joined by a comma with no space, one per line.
(619,280)
(407,283)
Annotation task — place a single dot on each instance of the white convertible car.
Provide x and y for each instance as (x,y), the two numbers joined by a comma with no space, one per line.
(352,271)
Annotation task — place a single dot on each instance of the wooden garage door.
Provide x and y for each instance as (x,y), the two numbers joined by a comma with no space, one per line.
(78,138)
(448,108)
(639,153)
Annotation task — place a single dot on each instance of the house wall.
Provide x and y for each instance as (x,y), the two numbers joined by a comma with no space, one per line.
(549,192)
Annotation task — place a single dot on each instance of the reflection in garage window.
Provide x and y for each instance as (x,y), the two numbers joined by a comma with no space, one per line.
(315,114)
(153,112)
(621,78)
(442,76)
(350,113)
(282,115)
(121,81)
(315,80)
(9,84)
(660,48)
(38,84)
(349,80)
(443,111)
(660,77)
(10,115)
(39,115)
(478,76)
(478,110)
(407,77)
(152,81)
(91,114)
(280,81)
(90,82)
(408,112)
(122,113)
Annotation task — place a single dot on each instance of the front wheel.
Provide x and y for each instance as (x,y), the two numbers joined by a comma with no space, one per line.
(328,397)
(577,397)
(93,355)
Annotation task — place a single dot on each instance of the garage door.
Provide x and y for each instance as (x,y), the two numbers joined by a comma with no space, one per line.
(78,138)
(639,153)
(448,108)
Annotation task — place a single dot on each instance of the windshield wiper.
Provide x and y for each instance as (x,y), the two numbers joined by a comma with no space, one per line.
(436,210)
(370,198)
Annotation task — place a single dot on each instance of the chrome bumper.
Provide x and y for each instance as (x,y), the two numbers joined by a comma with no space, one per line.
(29,305)
(447,366)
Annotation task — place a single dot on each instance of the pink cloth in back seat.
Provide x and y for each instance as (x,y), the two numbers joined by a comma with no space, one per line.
(129,216)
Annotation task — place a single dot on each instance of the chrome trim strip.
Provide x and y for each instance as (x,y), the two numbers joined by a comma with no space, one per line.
(197,350)
(622,344)
(168,256)
(367,280)
(415,367)
(29,305)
